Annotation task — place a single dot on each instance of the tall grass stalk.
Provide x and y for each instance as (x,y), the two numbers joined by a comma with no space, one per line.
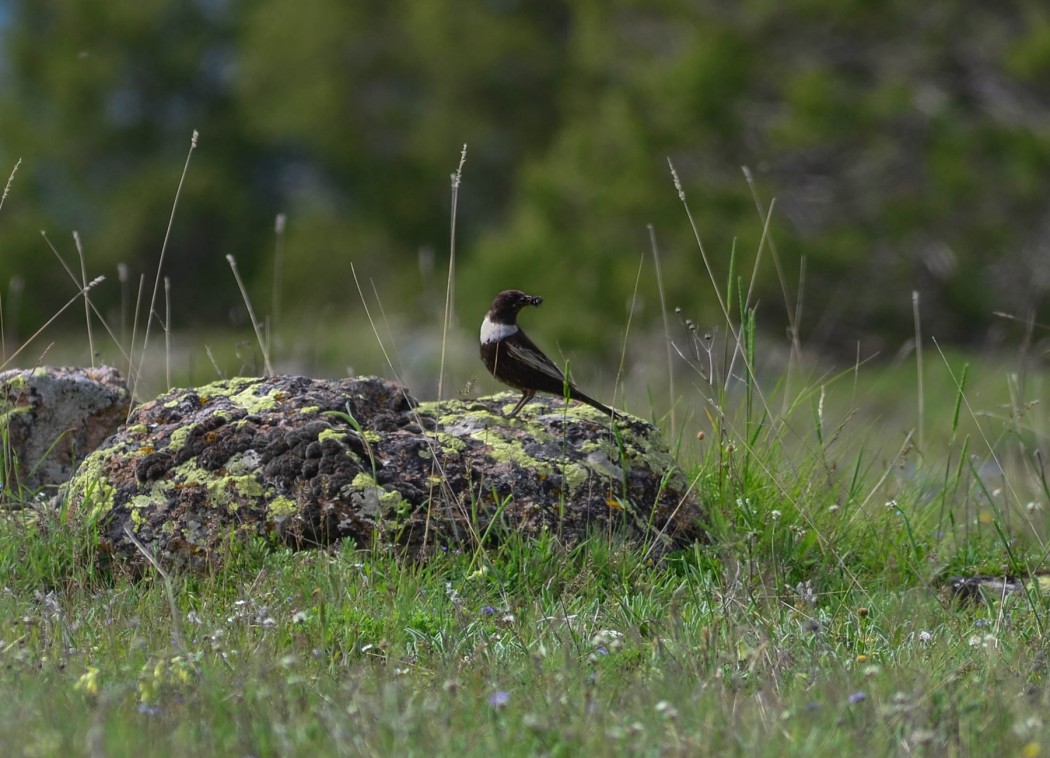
(163,251)
(256,326)
(672,399)
(437,467)
(3,198)
(167,332)
(10,181)
(794,314)
(279,224)
(626,332)
(372,323)
(89,303)
(917,318)
(169,592)
(123,278)
(699,243)
(87,299)
(989,445)
(457,179)
(742,344)
(90,285)
(133,375)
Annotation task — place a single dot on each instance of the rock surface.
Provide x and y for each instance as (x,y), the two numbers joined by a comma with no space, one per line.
(53,417)
(310,462)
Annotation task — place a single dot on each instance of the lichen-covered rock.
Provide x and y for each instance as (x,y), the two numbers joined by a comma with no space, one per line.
(311,462)
(53,417)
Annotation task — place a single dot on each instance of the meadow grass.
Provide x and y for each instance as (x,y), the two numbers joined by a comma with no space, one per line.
(782,637)
(816,620)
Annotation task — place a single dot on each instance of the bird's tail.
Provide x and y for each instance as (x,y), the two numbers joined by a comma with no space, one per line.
(605,410)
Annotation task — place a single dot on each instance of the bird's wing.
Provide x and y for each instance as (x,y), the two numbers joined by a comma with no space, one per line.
(523,349)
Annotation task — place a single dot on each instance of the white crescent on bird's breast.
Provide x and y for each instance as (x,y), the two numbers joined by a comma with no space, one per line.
(494,332)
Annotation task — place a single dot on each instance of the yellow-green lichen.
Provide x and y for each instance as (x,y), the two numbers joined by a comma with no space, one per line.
(179,436)
(246,463)
(16,382)
(514,452)
(190,473)
(232,491)
(591,446)
(575,476)
(450,442)
(157,493)
(363,480)
(331,434)
(253,403)
(449,412)
(92,486)
(98,495)
(374,498)
(281,507)
(240,391)
(648,452)
(137,507)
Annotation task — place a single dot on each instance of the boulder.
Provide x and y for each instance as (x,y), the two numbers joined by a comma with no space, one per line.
(309,462)
(53,417)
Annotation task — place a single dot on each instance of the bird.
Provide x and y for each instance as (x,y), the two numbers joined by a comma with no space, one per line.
(512,358)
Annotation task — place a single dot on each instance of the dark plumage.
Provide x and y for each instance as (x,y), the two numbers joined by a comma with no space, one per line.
(514,359)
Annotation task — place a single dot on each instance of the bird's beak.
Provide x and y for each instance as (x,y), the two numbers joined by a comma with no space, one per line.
(536,300)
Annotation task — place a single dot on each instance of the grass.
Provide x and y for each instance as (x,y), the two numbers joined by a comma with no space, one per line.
(816,621)
(541,650)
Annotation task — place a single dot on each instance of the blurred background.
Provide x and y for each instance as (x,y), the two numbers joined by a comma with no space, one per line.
(906,146)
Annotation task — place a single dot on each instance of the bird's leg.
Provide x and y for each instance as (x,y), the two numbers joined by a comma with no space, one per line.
(526,396)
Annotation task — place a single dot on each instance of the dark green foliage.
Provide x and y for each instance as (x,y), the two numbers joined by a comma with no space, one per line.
(906,145)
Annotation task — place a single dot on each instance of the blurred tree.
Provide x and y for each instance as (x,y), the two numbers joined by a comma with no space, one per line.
(100,104)
(907,147)
(644,82)
(903,154)
(365,112)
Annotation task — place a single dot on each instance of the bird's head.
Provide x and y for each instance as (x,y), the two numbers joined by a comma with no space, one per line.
(507,304)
